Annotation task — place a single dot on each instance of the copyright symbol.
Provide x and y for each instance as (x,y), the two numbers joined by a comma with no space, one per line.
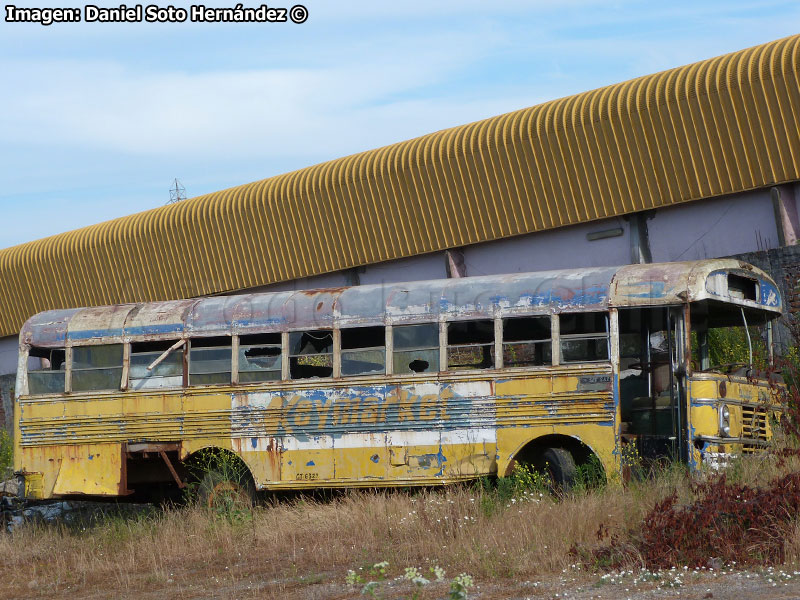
(298,13)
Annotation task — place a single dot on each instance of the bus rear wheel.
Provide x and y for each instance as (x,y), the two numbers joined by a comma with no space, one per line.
(221,492)
(559,465)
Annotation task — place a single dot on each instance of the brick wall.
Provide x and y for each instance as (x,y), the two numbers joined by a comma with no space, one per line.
(783,264)
(7,401)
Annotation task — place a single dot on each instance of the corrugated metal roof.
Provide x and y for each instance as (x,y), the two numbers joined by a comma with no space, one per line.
(566,290)
(719,126)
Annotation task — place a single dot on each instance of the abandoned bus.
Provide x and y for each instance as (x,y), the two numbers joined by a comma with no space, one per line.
(418,383)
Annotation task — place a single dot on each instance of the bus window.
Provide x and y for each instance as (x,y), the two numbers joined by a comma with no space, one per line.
(260,357)
(416,348)
(46,374)
(310,354)
(210,361)
(527,342)
(96,367)
(363,351)
(166,374)
(584,337)
(470,345)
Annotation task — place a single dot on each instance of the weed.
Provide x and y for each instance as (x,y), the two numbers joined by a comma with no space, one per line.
(413,575)
(524,483)
(589,475)
(353,578)
(379,569)
(222,483)
(527,480)
(459,587)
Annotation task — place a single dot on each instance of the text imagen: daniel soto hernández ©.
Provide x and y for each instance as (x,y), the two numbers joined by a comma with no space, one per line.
(154,13)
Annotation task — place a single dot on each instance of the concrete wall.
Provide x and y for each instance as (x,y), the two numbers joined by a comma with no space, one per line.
(712,228)
(563,248)
(426,266)
(9,347)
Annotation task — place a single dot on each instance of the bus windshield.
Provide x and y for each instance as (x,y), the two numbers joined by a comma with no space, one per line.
(727,338)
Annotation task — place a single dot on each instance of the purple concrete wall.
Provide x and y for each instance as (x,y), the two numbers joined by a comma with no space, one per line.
(426,266)
(562,248)
(710,228)
(9,347)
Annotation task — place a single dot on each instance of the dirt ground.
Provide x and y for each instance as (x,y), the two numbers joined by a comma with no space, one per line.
(723,584)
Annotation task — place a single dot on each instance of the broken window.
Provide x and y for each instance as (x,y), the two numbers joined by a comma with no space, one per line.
(46,369)
(156,365)
(470,345)
(96,367)
(210,361)
(310,354)
(260,357)
(416,348)
(363,351)
(742,288)
(527,342)
(584,337)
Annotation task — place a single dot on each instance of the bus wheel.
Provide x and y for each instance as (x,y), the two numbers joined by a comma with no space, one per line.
(224,492)
(559,465)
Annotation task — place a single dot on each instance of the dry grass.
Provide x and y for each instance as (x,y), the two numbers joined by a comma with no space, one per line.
(281,548)
(460,529)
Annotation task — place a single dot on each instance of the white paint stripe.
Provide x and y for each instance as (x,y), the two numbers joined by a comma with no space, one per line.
(379,440)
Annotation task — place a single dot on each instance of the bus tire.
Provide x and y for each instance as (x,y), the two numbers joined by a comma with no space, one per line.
(559,464)
(221,492)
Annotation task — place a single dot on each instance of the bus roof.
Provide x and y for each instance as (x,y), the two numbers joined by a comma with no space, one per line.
(574,290)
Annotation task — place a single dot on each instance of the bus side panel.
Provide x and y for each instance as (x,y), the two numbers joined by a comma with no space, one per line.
(577,403)
(388,434)
(80,469)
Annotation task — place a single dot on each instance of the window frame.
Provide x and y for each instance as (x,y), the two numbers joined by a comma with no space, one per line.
(188,361)
(440,347)
(26,356)
(446,345)
(71,370)
(385,347)
(237,345)
(182,350)
(585,336)
(335,357)
(553,340)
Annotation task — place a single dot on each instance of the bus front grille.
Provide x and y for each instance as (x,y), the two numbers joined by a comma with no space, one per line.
(754,423)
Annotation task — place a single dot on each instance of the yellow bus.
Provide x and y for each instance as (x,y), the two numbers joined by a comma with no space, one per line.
(402,384)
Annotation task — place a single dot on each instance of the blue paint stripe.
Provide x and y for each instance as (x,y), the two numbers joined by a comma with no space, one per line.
(86,334)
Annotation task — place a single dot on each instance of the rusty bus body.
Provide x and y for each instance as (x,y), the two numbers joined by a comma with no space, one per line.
(417,383)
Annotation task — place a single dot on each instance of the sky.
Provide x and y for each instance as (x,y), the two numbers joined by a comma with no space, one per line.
(98,119)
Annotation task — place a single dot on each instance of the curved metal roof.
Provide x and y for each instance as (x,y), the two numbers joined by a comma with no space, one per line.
(401,303)
(715,127)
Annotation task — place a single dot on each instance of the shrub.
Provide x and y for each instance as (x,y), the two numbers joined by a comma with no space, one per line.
(730,522)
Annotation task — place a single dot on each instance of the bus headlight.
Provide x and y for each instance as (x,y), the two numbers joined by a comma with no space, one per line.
(724,420)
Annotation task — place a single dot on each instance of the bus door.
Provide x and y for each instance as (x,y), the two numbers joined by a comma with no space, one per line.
(652,385)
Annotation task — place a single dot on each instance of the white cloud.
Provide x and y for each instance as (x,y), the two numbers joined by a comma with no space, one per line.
(263,112)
